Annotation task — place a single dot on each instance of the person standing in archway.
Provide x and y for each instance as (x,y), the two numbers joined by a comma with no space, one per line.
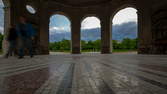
(26,35)
(12,39)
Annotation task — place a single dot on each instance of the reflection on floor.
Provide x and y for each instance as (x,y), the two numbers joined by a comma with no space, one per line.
(84,74)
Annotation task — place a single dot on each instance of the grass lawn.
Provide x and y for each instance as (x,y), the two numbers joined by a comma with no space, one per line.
(62,51)
(123,50)
(114,51)
(89,51)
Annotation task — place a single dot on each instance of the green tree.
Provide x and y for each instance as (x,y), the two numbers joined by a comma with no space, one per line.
(83,44)
(54,46)
(89,45)
(97,45)
(115,44)
(65,45)
(126,43)
(135,43)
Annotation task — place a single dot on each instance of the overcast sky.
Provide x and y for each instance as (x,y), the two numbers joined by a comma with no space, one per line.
(1,2)
(1,18)
(123,16)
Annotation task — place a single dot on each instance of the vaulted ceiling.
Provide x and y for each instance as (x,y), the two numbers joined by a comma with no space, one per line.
(81,2)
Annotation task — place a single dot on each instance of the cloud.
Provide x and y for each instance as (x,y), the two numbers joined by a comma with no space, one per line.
(52,30)
(1,30)
(55,29)
(90,22)
(125,15)
(1,3)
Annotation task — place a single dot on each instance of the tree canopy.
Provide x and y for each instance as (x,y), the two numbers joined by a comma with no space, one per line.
(94,46)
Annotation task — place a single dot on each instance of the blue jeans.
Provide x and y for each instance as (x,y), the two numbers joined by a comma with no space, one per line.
(26,44)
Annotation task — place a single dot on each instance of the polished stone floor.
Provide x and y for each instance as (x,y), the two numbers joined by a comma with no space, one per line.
(84,74)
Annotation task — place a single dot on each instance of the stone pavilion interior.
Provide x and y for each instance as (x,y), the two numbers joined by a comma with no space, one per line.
(90,73)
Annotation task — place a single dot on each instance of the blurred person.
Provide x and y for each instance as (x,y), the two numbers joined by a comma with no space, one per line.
(12,39)
(26,35)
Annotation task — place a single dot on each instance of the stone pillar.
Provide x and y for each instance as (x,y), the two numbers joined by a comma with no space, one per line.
(111,45)
(76,30)
(44,36)
(106,35)
(6,26)
(144,27)
(43,30)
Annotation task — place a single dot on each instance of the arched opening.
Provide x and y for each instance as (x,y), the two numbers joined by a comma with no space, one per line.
(125,30)
(59,34)
(30,9)
(91,34)
(1,24)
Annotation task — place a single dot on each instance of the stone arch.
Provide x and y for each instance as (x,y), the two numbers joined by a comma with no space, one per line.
(69,20)
(60,13)
(44,28)
(29,12)
(90,15)
(115,12)
(120,8)
(98,18)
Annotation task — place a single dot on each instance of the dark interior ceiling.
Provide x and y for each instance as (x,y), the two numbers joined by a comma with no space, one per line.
(82,2)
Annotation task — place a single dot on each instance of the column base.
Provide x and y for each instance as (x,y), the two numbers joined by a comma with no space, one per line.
(42,51)
(76,50)
(106,53)
(106,50)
